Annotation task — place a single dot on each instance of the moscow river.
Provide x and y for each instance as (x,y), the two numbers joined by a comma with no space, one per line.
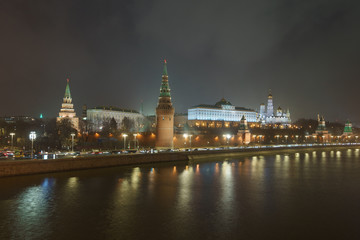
(295,195)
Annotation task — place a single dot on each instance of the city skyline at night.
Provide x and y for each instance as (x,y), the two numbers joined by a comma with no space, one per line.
(304,52)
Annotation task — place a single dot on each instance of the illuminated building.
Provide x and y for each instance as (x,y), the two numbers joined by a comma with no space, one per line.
(67,108)
(164,114)
(268,117)
(222,114)
(96,117)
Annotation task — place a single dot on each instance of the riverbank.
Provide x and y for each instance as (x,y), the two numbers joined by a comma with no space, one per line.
(26,167)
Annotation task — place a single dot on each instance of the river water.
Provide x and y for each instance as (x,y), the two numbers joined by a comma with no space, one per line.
(295,195)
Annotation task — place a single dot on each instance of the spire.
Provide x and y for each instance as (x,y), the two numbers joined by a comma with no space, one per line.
(270,95)
(67,90)
(165,69)
(165,88)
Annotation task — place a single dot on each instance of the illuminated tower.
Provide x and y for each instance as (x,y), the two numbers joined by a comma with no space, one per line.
(164,115)
(67,108)
(348,129)
(262,110)
(244,132)
(270,107)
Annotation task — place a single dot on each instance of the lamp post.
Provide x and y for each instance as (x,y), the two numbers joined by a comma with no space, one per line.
(286,137)
(227,136)
(136,145)
(124,136)
(12,140)
(32,137)
(297,138)
(187,135)
(277,138)
(72,142)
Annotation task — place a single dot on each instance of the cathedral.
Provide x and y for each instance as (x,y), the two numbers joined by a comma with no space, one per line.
(67,108)
(268,116)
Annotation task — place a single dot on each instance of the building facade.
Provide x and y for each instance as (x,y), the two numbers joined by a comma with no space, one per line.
(67,108)
(270,117)
(164,114)
(222,114)
(98,116)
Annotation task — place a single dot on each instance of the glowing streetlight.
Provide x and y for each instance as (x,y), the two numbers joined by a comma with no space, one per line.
(286,137)
(124,136)
(188,135)
(72,142)
(12,140)
(136,145)
(227,136)
(32,137)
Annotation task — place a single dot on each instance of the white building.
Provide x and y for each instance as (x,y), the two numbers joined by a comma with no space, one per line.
(269,117)
(98,115)
(222,111)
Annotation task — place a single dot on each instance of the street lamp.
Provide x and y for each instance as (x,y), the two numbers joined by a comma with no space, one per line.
(72,142)
(286,137)
(12,140)
(277,138)
(124,136)
(187,135)
(32,137)
(297,138)
(136,145)
(227,136)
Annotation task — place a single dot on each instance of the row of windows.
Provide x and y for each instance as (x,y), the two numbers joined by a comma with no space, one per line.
(220,115)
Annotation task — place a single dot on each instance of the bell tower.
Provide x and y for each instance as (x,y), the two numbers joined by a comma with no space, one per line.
(164,114)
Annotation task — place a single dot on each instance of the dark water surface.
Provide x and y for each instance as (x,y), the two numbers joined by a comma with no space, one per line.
(303,195)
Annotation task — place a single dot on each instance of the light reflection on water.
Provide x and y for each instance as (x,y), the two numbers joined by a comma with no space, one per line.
(183,201)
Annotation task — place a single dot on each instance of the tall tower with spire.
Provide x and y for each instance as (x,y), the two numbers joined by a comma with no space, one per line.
(67,108)
(270,107)
(164,114)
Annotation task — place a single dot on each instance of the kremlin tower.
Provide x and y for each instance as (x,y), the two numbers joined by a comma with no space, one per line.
(164,115)
(244,132)
(270,107)
(321,131)
(67,108)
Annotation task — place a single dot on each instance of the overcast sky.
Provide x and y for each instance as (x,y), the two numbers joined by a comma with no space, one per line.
(307,52)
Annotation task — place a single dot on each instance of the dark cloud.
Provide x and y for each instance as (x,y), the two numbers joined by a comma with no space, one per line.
(305,51)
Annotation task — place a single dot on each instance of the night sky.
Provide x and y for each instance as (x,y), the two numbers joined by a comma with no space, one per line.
(307,52)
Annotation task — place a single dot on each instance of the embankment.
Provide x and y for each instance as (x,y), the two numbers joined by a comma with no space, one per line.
(25,167)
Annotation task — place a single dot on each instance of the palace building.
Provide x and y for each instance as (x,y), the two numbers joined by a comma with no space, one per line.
(67,108)
(97,116)
(222,114)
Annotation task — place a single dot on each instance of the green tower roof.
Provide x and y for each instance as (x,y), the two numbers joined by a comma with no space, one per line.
(165,88)
(348,127)
(67,90)
(165,68)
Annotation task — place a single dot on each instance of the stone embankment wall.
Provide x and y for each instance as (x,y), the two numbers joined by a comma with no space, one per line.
(25,167)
